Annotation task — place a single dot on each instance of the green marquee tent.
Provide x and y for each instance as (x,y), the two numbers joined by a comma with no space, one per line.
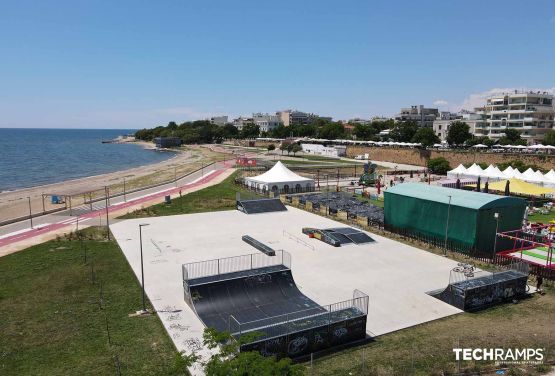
(421,209)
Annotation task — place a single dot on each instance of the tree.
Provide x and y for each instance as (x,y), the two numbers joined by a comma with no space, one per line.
(549,138)
(229,361)
(425,136)
(294,148)
(511,137)
(284,147)
(403,131)
(485,140)
(459,133)
(230,131)
(439,166)
(364,132)
(250,131)
(331,131)
(271,147)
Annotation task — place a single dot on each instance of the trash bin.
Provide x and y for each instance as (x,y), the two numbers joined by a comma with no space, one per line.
(55,200)
(167,200)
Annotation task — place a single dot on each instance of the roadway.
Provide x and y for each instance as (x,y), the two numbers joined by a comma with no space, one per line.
(19,231)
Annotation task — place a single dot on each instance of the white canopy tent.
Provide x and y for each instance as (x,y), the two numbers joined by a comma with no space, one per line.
(280,178)
(474,171)
(457,172)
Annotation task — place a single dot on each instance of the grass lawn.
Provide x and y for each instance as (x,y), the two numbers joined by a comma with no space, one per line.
(379,203)
(217,197)
(54,323)
(543,218)
(428,349)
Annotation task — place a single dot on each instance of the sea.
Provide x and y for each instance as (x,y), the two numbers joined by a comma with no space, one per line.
(31,157)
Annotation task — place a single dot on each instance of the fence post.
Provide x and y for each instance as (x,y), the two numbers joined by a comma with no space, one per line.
(251,261)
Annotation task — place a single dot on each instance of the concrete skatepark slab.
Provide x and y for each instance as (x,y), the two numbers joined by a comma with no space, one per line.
(396,276)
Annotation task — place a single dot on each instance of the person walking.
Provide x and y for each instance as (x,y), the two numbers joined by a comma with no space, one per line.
(539,282)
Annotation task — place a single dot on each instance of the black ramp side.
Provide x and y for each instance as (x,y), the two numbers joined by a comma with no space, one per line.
(264,205)
(249,298)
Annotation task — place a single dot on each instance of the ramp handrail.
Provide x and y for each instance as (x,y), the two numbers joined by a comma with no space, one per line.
(216,267)
(293,321)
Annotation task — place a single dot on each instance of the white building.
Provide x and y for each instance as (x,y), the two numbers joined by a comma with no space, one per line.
(531,113)
(288,117)
(328,151)
(266,122)
(441,126)
(424,117)
(241,121)
(218,120)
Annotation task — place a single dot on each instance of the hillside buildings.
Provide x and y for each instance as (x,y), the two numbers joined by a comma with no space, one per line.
(218,120)
(424,117)
(531,113)
(266,122)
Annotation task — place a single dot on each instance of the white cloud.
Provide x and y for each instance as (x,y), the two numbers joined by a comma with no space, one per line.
(441,102)
(479,99)
(552,20)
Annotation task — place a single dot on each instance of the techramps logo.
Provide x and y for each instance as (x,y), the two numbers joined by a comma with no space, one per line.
(501,356)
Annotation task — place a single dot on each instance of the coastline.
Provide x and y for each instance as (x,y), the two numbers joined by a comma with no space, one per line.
(14,203)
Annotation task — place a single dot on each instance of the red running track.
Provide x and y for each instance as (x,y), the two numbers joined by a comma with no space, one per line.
(72,220)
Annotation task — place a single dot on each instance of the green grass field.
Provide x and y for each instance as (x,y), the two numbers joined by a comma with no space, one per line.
(53,317)
(543,218)
(217,197)
(428,349)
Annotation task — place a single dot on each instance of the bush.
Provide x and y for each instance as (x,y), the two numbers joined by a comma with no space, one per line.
(439,166)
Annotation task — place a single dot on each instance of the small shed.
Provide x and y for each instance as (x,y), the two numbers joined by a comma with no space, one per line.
(467,217)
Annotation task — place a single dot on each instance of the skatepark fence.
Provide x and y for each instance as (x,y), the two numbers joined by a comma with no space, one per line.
(216,267)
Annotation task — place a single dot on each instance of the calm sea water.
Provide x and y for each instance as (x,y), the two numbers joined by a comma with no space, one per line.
(31,157)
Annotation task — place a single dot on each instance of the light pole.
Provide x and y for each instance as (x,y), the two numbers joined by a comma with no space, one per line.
(142,267)
(30,213)
(447,226)
(124,195)
(496,216)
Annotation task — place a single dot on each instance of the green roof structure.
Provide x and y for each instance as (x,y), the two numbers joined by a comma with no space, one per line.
(422,210)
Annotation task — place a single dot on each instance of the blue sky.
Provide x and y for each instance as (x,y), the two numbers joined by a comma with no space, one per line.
(132,64)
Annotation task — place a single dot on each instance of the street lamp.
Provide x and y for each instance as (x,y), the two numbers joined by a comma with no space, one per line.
(142,267)
(30,213)
(496,216)
(447,226)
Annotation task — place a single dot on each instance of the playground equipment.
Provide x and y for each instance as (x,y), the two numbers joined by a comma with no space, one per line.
(369,177)
(533,245)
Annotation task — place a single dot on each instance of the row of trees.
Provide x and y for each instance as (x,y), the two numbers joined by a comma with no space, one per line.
(202,131)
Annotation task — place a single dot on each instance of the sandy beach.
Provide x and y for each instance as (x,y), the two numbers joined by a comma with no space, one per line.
(14,204)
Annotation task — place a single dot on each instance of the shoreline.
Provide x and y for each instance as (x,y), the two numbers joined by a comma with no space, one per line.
(14,204)
(79,179)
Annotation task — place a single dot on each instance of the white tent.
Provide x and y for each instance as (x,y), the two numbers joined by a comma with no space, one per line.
(474,171)
(508,172)
(492,173)
(531,176)
(280,178)
(457,172)
(480,146)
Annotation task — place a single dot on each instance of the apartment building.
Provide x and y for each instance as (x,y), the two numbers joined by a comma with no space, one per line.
(218,120)
(423,116)
(288,117)
(531,113)
(442,125)
(241,121)
(266,122)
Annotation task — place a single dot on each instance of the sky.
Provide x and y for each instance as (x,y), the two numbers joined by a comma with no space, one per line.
(134,64)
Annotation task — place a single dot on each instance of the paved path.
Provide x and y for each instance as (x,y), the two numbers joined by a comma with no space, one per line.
(20,231)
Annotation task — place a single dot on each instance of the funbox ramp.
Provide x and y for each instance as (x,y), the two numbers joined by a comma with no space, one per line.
(479,290)
(256,295)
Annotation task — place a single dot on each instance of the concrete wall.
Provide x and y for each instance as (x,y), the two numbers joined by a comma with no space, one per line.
(420,157)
